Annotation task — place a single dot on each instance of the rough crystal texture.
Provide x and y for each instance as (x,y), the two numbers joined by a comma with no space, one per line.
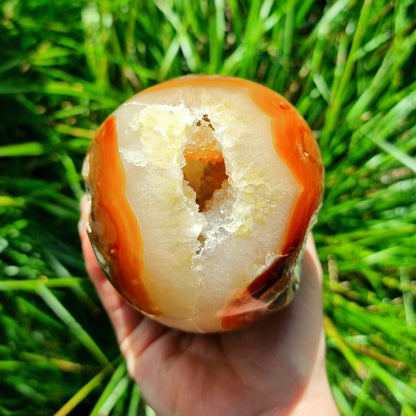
(214,198)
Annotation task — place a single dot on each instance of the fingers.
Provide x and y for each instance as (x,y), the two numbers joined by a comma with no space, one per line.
(91,264)
(310,261)
(309,294)
(123,317)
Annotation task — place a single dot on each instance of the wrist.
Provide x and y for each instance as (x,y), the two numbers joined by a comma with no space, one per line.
(316,400)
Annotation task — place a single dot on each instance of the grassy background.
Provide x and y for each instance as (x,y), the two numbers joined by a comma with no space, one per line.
(348,66)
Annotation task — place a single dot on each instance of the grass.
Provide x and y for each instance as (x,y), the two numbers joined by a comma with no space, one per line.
(348,66)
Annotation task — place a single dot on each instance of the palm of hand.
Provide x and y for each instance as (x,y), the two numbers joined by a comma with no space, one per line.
(253,371)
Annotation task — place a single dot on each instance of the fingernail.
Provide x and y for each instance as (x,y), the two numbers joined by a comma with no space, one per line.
(84,202)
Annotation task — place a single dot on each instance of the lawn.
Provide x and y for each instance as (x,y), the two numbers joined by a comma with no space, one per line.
(349,68)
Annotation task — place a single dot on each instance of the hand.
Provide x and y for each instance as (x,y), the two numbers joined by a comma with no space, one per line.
(275,367)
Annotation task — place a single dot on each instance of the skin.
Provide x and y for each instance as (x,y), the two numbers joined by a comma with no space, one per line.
(275,367)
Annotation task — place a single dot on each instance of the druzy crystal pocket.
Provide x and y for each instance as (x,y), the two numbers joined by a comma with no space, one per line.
(202,191)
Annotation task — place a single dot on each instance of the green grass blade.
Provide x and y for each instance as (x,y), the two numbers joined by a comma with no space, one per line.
(81,394)
(135,399)
(22,150)
(187,46)
(107,397)
(392,62)
(117,385)
(34,285)
(52,301)
(339,95)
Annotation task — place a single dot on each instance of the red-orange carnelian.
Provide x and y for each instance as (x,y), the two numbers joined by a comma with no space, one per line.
(114,234)
(203,189)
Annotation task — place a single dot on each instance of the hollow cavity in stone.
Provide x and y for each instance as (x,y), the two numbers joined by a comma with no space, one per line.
(205,168)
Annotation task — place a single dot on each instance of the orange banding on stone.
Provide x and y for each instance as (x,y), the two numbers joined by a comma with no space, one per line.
(224,179)
(114,227)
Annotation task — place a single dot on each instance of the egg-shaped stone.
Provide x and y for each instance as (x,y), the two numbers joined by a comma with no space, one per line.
(202,191)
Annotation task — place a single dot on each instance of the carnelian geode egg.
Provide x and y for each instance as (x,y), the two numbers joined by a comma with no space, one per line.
(202,191)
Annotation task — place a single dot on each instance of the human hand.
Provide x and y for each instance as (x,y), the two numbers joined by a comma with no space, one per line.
(275,367)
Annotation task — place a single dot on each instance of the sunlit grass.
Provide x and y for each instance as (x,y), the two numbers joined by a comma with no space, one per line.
(347,65)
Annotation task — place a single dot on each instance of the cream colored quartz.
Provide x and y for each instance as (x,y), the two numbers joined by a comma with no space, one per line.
(187,253)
